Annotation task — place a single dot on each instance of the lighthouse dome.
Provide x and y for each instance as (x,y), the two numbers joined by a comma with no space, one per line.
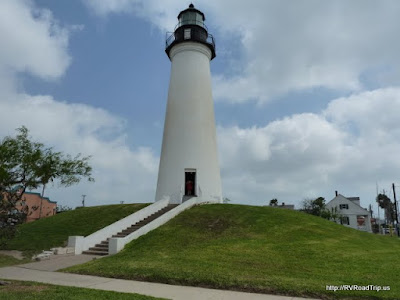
(190,28)
(191,16)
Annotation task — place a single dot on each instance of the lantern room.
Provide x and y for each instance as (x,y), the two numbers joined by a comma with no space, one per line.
(190,28)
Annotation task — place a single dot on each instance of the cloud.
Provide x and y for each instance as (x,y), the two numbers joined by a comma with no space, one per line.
(349,146)
(371,117)
(38,44)
(307,44)
(287,157)
(34,40)
(76,128)
(103,8)
(157,12)
(278,48)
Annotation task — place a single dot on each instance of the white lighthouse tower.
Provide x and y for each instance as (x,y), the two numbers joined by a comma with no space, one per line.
(189,158)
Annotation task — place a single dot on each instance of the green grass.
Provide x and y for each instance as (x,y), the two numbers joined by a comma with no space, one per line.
(258,249)
(53,231)
(18,290)
(6,260)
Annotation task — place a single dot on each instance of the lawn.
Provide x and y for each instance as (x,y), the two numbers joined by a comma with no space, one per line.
(6,260)
(53,231)
(18,290)
(258,249)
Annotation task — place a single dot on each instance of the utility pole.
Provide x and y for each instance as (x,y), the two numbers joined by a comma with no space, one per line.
(384,210)
(83,200)
(379,216)
(395,210)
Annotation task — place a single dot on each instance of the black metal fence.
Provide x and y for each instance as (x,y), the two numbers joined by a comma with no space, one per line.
(195,36)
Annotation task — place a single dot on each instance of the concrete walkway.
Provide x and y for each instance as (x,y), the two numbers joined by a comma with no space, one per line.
(43,271)
(58,262)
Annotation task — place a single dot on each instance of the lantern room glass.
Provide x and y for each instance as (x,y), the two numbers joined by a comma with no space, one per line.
(191,18)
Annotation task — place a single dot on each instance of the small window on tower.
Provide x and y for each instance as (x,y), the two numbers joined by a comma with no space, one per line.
(186,34)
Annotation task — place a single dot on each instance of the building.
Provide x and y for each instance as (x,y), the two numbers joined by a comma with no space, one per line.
(36,206)
(351,213)
(286,206)
(274,203)
(189,158)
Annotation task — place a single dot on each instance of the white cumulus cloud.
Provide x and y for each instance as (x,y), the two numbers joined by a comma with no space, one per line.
(35,42)
(281,46)
(350,146)
(32,40)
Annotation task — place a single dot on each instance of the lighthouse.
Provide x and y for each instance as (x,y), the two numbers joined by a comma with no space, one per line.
(189,159)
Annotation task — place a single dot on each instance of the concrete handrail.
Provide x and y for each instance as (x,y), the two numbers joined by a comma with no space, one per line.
(81,243)
(117,244)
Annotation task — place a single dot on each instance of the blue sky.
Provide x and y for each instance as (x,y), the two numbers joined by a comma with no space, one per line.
(306,93)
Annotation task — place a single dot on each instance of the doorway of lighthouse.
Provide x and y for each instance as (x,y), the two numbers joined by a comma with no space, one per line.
(190,182)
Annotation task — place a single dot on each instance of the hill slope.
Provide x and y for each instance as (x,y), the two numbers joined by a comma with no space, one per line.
(53,231)
(259,249)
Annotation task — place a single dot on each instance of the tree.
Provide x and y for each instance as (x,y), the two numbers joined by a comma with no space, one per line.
(334,214)
(385,203)
(226,200)
(27,165)
(317,207)
(273,202)
(63,208)
(314,207)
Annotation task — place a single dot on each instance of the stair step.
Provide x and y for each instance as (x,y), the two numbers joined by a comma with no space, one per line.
(119,235)
(103,246)
(95,252)
(128,231)
(101,249)
(125,232)
(149,220)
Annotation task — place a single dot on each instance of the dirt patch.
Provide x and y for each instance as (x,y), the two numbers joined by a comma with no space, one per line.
(219,225)
(14,253)
(23,287)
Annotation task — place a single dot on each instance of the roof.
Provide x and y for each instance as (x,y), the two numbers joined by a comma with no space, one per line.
(38,194)
(353,198)
(341,198)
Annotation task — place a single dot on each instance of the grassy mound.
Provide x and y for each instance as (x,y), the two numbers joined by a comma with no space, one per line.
(260,249)
(54,231)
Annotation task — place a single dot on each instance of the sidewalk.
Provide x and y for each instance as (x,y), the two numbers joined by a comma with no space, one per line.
(58,262)
(43,271)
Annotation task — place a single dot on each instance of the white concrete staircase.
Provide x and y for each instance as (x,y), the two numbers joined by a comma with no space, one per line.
(102,248)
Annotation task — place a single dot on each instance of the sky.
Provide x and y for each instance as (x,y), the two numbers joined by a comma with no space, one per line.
(306,93)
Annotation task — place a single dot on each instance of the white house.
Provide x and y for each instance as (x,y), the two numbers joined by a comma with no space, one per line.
(352,214)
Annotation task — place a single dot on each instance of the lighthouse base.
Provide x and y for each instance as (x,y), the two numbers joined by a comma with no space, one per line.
(179,199)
